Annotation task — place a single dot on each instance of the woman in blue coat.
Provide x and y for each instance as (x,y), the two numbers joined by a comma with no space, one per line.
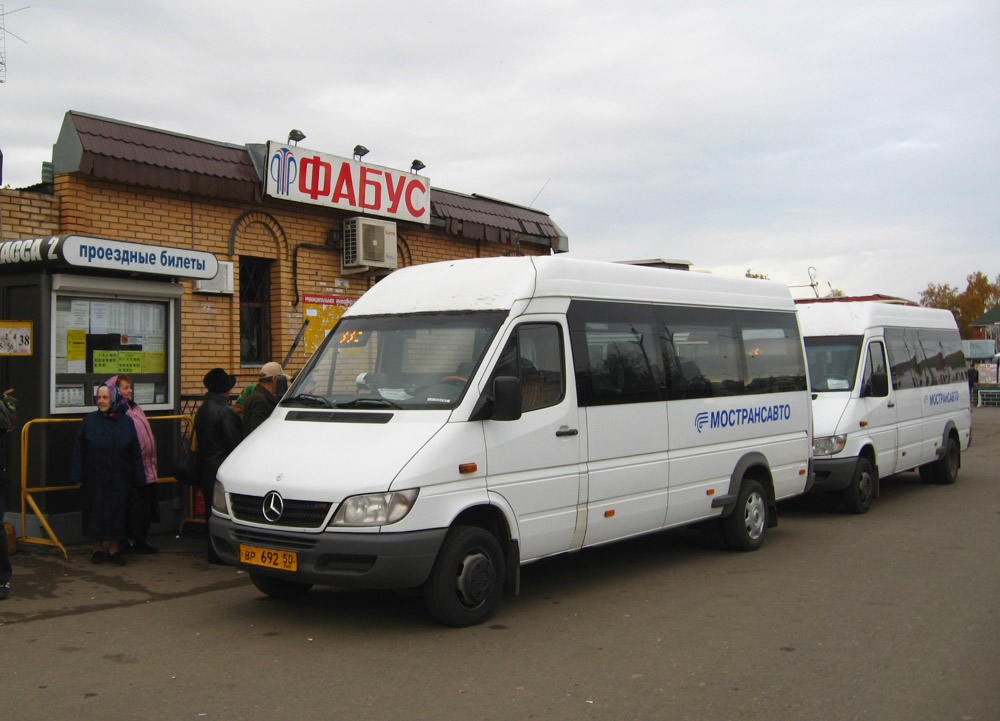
(106,461)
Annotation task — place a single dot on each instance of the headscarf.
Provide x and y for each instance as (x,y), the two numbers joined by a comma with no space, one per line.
(118,402)
(112,382)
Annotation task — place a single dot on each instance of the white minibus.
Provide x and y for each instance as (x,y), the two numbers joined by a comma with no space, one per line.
(467,417)
(890,394)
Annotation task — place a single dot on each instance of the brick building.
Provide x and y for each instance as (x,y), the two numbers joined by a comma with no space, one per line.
(113,184)
(112,179)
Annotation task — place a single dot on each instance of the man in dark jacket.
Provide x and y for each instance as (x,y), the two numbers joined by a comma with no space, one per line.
(264,398)
(218,430)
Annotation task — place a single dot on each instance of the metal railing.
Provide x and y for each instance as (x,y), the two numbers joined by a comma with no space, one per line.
(988,397)
(28,492)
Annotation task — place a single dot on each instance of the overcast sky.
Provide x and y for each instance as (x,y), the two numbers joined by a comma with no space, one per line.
(858,138)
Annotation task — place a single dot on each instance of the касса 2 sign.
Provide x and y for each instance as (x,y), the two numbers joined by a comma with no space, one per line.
(79,251)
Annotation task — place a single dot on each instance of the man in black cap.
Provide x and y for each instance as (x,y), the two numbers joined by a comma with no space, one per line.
(218,430)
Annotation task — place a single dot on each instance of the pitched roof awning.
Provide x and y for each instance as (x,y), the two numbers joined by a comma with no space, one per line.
(138,155)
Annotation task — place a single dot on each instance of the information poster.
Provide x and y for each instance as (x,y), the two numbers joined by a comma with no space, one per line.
(322,312)
(987,374)
(96,338)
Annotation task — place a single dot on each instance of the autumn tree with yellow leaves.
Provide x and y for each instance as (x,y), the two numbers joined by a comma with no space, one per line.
(979,296)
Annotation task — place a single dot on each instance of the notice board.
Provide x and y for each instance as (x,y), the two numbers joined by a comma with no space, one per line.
(95,338)
(322,312)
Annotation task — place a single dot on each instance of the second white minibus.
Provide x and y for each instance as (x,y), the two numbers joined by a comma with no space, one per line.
(890,395)
(468,417)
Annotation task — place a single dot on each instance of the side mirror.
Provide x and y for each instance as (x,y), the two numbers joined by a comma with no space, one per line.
(506,398)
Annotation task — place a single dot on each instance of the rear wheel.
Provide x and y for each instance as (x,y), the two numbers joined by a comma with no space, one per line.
(860,492)
(467,579)
(744,528)
(278,587)
(945,469)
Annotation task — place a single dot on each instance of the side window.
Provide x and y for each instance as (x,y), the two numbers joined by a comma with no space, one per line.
(704,348)
(534,353)
(932,351)
(874,366)
(954,357)
(616,352)
(943,356)
(773,351)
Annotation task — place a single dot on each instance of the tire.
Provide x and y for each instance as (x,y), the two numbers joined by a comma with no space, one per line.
(278,587)
(745,527)
(860,492)
(467,579)
(944,471)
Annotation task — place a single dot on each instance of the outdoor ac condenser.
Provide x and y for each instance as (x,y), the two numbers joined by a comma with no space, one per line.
(368,243)
(222,282)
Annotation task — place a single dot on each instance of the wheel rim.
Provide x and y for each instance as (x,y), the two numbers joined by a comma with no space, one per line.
(865,488)
(754,515)
(476,579)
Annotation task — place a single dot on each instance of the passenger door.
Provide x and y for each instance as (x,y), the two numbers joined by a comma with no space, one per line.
(535,462)
(879,400)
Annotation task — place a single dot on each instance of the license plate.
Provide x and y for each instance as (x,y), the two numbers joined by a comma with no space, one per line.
(269,558)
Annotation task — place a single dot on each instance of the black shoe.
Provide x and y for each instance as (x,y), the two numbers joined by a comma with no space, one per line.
(97,557)
(144,547)
(117,559)
(4,591)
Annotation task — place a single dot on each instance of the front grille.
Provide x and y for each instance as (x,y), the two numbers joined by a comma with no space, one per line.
(253,537)
(297,514)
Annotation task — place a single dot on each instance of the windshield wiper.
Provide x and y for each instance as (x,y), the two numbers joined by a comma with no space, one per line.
(305,399)
(358,402)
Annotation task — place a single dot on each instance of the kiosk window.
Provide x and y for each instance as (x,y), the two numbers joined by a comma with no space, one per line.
(96,338)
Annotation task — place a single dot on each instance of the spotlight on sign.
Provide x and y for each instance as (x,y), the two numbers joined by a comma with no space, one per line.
(360,151)
(416,166)
(295,135)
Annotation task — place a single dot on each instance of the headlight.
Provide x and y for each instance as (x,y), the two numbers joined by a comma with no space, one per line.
(828,445)
(219,498)
(374,509)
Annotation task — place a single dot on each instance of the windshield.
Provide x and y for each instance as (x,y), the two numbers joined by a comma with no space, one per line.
(404,361)
(833,361)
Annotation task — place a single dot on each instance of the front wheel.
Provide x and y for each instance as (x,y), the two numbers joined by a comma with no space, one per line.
(860,492)
(744,528)
(278,587)
(467,579)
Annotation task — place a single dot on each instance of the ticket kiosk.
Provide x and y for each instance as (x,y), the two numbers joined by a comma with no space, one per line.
(83,309)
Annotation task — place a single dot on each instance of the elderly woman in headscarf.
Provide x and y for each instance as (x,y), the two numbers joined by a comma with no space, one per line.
(142,505)
(107,460)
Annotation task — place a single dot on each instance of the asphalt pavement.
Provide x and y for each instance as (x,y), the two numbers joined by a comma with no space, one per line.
(889,616)
(45,585)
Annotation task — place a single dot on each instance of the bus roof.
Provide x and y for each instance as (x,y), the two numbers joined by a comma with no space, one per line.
(854,318)
(497,283)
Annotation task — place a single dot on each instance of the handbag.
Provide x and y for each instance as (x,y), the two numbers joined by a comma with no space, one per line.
(186,463)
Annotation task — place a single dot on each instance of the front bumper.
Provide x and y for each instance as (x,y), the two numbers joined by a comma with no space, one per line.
(347,560)
(832,474)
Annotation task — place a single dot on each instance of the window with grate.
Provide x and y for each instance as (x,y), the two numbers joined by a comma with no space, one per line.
(255,301)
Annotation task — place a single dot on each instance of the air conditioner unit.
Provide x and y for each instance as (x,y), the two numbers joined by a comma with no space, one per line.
(368,243)
(221,283)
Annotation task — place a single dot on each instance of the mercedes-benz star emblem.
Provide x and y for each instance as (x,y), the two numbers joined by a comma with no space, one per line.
(273,506)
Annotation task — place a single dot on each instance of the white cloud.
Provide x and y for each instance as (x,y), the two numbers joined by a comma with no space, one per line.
(856,137)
